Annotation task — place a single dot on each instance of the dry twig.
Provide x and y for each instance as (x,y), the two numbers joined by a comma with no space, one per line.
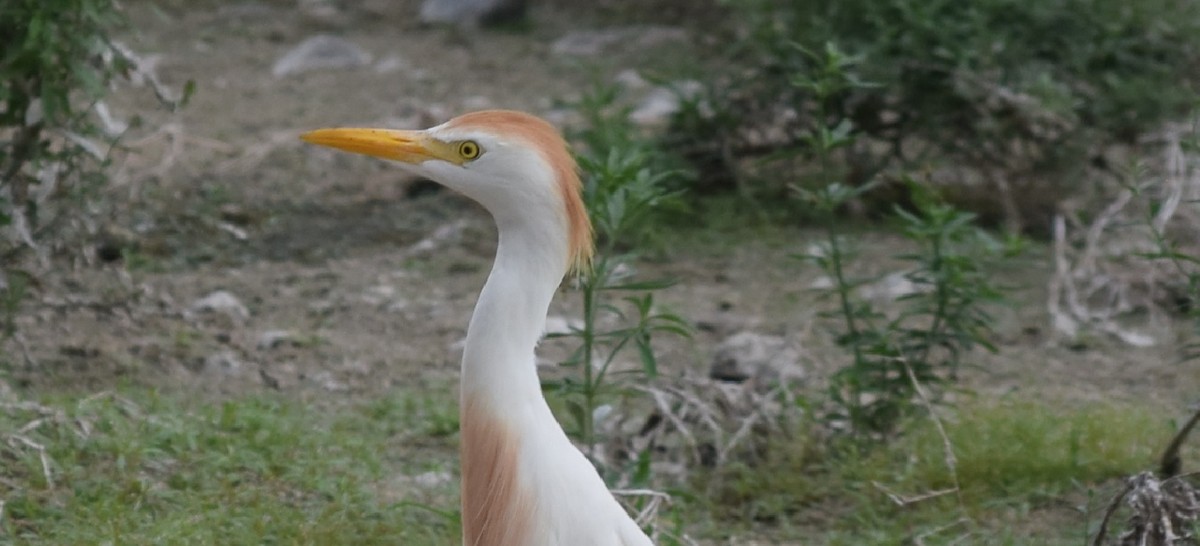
(947,446)
(905,501)
(1102,272)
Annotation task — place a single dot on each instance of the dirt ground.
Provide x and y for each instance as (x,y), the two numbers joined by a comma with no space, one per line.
(355,280)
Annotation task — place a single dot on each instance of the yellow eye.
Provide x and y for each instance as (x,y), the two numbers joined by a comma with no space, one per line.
(468,149)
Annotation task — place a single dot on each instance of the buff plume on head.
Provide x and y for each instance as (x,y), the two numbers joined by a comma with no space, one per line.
(469,139)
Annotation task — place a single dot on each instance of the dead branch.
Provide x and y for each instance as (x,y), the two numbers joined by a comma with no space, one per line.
(1164,511)
(1171,464)
(1108,513)
(1105,266)
(905,501)
(947,446)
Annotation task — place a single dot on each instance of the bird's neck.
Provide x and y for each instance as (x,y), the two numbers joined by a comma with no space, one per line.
(510,316)
(501,398)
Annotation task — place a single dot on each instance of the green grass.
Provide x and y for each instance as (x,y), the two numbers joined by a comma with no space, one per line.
(1024,468)
(1024,447)
(160,469)
(250,471)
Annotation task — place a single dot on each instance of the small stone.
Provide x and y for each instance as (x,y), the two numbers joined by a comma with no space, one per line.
(390,64)
(440,236)
(1137,339)
(281,376)
(223,302)
(600,418)
(379,294)
(893,286)
(657,107)
(749,355)
(823,282)
(589,43)
(324,12)
(471,13)
(585,43)
(321,52)
(271,339)
(557,325)
(431,479)
(325,380)
(224,363)
(631,80)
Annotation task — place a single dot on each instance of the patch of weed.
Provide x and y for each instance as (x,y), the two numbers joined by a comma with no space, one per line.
(1014,458)
(247,471)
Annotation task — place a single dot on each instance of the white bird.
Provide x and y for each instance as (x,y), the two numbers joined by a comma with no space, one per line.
(523,482)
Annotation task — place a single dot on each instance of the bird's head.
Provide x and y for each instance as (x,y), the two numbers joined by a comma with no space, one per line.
(514,164)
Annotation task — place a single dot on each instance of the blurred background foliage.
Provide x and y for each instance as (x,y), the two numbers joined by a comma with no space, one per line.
(1025,99)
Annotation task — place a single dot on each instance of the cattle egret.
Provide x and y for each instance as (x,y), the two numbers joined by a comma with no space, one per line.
(523,482)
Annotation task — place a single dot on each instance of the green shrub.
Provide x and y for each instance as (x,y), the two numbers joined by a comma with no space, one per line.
(623,190)
(1009,87)
(941,319)
(49,67)
(51,71)
(56,62)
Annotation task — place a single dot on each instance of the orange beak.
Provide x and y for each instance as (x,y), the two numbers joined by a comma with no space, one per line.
(413,147)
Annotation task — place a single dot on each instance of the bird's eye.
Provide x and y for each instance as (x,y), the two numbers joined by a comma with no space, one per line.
(468,149)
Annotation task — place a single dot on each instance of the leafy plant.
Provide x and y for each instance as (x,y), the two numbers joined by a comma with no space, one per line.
(56,62)
(622,191)
(940,318)
(51,72)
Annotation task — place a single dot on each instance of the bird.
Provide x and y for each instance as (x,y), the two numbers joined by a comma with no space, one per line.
(523,482)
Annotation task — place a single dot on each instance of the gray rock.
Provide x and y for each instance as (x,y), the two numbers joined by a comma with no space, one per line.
(221,302)
(657,107)
(321,52)
(440,237)
(393,63)
(223,364)
(631,80)
(589,43)
(431,479)
(325,380)
(559,325)
(748,355)
(891,287)
(271,339)
(471,13)
(280,376)
(326,13)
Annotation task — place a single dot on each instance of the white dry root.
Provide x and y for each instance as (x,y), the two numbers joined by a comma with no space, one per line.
(693,423)
(1102,269)
(1165,512)
(698,422)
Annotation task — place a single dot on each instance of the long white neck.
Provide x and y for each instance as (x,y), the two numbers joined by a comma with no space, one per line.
(523,482)
(510,316)
(501,398)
